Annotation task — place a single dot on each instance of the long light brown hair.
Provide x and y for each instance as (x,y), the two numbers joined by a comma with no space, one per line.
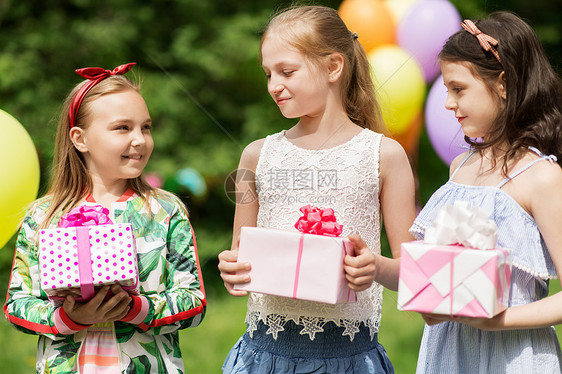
(70,179)
(318,32)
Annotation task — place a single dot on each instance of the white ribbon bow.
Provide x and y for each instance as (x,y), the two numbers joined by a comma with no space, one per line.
(464,224)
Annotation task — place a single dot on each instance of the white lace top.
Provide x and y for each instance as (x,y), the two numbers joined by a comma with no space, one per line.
(344,178)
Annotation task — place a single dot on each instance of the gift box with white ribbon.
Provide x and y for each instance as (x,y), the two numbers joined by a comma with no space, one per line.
(456,270)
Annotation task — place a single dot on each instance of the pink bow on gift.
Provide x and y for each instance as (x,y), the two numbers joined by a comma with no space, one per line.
(85,215)
(81,217)
(318,221)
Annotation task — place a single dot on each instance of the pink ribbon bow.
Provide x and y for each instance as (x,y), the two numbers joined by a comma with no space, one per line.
(485,40)
(94,75)
(318,221)
(81,217)
(85,215)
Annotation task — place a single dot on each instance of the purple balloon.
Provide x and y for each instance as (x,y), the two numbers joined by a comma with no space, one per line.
(424,30)
(444,131)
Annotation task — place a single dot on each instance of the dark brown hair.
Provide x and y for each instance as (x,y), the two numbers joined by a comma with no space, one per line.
(532,114)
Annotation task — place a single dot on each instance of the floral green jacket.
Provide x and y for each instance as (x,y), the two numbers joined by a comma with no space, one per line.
(171,297)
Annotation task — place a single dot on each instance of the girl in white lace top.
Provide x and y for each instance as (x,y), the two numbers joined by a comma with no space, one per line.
(318,71)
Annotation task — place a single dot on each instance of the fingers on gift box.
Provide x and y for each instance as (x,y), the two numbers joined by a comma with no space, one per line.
(78,259)
(454,280)
(456,270)
(295,265)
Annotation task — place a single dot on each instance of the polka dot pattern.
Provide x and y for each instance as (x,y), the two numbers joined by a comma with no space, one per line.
(113,257)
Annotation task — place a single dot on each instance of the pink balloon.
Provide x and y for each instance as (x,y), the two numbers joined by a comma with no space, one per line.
(424,30)
(153,179)
(444,131)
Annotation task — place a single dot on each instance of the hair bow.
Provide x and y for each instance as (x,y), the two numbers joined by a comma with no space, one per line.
(485,40)
(94,75)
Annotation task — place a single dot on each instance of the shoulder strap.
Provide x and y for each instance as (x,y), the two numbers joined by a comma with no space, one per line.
(462,163)
(551,158)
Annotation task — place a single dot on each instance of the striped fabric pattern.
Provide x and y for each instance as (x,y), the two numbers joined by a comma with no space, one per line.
(99,354)
(451,347)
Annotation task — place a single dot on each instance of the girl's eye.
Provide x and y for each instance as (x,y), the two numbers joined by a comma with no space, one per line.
(147,127)
(288,73)
(122,127)
(457,89)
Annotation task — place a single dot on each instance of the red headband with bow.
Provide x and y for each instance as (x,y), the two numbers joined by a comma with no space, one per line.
(486,41)
(94,75)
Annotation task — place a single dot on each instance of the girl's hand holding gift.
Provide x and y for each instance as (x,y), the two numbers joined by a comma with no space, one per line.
(97,310)
(361,269)
(229,269)
(321,75)
(489,324)
(103,143)
(513,171)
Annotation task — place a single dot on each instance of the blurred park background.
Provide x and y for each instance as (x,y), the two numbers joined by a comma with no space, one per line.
(201,78)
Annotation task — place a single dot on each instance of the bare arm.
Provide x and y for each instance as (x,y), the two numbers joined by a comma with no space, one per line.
(542,197)
(397,199)
(543,183)
(397,206)
(246,214)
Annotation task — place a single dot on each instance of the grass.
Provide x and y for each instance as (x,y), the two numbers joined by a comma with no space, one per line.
(400,334)
(205,347)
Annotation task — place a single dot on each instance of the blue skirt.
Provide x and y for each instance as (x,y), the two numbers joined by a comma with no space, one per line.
(329,352)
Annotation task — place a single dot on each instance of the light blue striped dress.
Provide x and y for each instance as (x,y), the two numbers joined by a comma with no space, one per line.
(451,347)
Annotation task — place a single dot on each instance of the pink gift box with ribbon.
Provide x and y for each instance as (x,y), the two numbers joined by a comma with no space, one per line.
(86,252)
(453,280)
(295,264)
(471,279)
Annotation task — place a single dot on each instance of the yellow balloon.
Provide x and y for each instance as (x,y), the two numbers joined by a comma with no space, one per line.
(400,86)
(19,175)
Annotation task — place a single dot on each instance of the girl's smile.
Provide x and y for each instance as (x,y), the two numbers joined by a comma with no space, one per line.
(293,81)
(133,156)
(117,143)
(281,101)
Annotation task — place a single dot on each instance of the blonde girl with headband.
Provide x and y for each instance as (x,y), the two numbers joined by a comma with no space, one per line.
(508,101)
(318,72)
(102,146)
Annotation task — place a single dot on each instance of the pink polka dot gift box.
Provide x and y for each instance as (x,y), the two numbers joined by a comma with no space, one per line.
(82,255)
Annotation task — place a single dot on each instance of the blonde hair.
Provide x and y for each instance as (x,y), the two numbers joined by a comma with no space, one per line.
(318,32)
(70,180)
